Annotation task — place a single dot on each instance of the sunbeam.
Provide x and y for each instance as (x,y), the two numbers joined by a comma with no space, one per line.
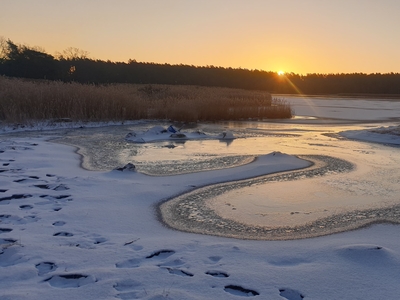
(306,99)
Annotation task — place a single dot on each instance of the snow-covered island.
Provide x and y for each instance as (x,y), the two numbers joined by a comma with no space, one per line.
(159,133)
(383,134)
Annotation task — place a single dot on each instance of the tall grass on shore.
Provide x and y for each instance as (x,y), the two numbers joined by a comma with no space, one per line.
(24,101)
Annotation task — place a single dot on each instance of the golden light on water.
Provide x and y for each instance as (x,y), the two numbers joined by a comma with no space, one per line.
(307,100)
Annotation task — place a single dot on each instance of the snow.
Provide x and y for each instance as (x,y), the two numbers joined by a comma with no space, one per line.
(383,135)
(159,133)
(35,126)
(344,108)
(71,233)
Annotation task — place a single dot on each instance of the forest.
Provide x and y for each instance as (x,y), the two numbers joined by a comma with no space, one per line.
(74,65)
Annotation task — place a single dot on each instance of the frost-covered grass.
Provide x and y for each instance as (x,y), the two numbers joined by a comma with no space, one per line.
(23,101)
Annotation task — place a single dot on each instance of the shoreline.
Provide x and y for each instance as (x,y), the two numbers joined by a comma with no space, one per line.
(177,212)
(342,96)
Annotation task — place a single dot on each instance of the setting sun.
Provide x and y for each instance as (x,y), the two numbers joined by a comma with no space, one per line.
(280,73)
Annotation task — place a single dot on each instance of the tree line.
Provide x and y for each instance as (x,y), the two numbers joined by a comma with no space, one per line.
(74,65)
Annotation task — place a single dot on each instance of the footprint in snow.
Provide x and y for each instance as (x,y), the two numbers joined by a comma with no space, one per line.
(126,285)
(27,179)
(30,219)
(172,263)
(5,219)
(134,246)
(90,241)
(135,262)
(99,240)
(43,186)
(15,220)
(129,289)
(131,295)
(6,200)
(290,294)
(54,187)
(47,202)
(9,257)
(7,241)
(20,180)
(70,280)
(137,247)
(45,267)
(214,259)
(10,170)
(288,261)
(59,197)
(63,233)
(26,207)
(55,200)
(368,254)
(59,223)
(130,263)
(217,274)
(3,230)
(161,254)
(240,291)
(18,148)
(179,272)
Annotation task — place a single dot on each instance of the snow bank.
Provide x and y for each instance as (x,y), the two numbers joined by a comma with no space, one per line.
(384,135)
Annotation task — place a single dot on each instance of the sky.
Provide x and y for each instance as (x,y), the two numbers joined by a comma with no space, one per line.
(307,36)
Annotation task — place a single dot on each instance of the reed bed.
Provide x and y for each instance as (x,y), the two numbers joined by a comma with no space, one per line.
(25,101)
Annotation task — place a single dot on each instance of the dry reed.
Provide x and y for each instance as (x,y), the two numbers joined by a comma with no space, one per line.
(24,101)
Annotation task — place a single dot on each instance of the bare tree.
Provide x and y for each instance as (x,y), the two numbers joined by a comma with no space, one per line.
(3,48)
(72,53)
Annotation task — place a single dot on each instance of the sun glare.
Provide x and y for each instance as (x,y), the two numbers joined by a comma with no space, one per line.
(280,73)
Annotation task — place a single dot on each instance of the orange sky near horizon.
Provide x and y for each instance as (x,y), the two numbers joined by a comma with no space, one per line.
(308,36)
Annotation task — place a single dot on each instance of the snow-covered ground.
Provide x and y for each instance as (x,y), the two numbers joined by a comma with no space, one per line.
(67,232)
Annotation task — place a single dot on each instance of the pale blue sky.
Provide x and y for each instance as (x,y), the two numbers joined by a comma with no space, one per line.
(301,36)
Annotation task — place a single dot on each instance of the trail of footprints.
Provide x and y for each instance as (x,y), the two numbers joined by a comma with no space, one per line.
(130,289)
(126,289)
(26,202)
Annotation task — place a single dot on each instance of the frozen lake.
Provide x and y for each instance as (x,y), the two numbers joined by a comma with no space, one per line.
(345,108)
(340,200)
